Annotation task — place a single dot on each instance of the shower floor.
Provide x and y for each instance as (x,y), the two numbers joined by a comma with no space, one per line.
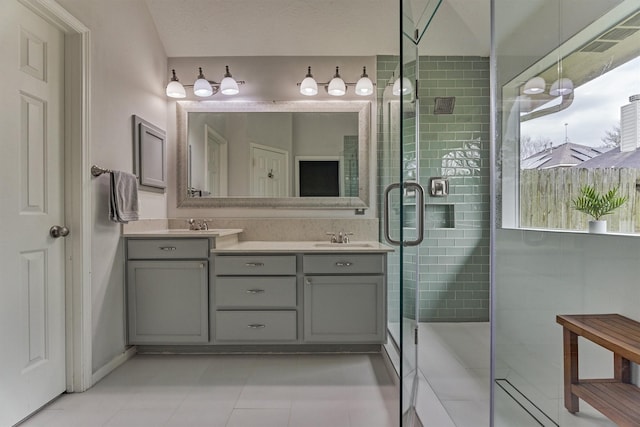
(454,366)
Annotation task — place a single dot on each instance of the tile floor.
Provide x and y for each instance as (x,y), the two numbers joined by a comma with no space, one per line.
(234,391)
(299,390)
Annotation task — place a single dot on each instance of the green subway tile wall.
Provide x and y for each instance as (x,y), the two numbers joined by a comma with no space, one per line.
(454,257)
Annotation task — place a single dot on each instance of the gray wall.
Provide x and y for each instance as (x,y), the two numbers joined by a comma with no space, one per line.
(128,70)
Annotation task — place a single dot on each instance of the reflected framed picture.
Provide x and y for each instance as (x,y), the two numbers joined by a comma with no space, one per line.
(150,157)
(319,176)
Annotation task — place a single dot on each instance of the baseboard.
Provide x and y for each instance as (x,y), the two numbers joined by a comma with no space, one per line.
(113,364)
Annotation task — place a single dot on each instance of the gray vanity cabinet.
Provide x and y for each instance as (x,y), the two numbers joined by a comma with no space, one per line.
(167,291)
(344,299)
(255,299)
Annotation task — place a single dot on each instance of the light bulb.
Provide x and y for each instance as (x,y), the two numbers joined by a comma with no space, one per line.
(175,88)
(364,86)
(309,86)
(228,86)
(336,85)
(202,87)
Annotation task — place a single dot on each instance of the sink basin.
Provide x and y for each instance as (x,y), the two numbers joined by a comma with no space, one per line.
(186,230)
(354,245)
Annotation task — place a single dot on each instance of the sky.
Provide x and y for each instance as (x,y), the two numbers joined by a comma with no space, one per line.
(595,109)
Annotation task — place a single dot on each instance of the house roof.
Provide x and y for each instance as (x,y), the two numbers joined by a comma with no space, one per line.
(565,155)
(613,159)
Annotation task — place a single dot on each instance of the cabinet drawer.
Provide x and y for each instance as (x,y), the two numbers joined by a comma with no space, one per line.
(343,264)
(167,248)
(257,265)
(258,292)
(256,326)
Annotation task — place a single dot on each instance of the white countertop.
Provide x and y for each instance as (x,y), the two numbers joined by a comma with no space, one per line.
(178,232)
(303,246)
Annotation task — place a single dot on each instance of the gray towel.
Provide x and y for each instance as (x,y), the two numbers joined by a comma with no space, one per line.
(123,200)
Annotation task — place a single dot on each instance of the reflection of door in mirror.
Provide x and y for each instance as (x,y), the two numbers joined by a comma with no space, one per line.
(269,171)
(215,166)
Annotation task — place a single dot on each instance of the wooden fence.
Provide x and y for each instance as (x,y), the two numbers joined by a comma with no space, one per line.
(546,195)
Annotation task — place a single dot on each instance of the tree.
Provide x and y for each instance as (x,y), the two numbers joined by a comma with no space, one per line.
(530,146)
(611,137)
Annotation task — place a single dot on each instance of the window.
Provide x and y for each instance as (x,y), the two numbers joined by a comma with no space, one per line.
(572,120)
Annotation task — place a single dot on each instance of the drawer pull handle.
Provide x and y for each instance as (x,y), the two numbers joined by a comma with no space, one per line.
(167,248)
(254,264)
(344,264)
(257,326)
(255,291)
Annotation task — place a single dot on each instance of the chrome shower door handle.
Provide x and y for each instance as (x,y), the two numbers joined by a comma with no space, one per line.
(419,213)
(58,231)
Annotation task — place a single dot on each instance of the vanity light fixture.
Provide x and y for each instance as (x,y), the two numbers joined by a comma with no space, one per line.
(337,86)
(364,86)
(202,87)
(309,86)
(175,88)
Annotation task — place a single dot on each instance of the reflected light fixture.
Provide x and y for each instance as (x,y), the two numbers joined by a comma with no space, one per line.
(407,87)
(562,86)
(203,87)
(534,86)
(337,86)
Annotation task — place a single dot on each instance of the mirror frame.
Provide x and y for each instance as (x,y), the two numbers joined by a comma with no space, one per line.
(363,108)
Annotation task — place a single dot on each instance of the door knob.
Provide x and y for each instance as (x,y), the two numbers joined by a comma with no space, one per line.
(58,231)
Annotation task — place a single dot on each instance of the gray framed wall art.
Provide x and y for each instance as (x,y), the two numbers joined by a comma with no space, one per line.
(150,156)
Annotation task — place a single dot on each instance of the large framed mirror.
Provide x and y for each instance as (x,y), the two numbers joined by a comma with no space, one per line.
(296,154)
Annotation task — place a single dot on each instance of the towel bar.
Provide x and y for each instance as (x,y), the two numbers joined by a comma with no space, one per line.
(97,171)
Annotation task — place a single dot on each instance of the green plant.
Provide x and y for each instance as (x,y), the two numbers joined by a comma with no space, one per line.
(597,205)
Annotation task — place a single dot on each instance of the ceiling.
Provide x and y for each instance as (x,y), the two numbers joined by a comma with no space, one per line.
(191,28)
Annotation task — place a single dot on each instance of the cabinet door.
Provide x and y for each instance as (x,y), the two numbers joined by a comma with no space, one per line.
(167,302)
(343,309)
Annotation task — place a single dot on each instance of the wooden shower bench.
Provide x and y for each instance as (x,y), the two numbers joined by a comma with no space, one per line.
(614,397)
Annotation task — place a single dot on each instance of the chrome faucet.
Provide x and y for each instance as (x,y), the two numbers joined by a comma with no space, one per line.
(341,237)
(201,225)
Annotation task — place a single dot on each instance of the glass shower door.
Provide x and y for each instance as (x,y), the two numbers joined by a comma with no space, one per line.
(403,198)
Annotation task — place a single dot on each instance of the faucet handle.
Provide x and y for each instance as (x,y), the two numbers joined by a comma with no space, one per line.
(345,237)
(334,239)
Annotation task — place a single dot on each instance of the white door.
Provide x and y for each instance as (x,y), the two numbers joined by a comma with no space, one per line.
(32,265)
(269,172)
(215,165)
